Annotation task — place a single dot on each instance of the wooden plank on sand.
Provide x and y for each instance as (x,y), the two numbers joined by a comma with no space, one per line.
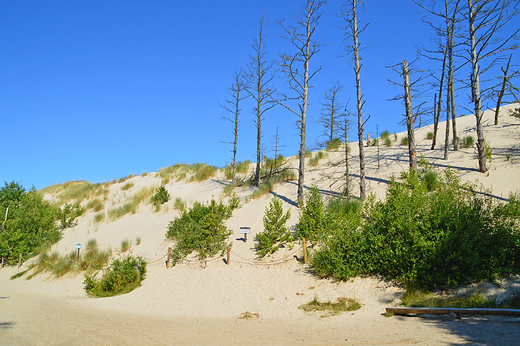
(458,311)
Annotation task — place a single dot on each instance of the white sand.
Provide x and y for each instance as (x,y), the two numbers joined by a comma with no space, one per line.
(188,304)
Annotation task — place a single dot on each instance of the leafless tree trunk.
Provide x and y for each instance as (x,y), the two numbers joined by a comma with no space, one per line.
(409,116)
(329,118)
(485,18)
(448,110)
(347,172)
(260,74)
(300,36)
(350,14)
(435,122)
(232,105)
(502,90)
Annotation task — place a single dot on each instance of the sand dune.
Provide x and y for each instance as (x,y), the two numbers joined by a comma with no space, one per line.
(200,303)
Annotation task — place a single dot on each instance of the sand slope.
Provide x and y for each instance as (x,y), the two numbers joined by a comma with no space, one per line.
(200,303)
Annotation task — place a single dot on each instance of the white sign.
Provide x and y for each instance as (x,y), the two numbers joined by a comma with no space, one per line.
(78,246)
(245,230)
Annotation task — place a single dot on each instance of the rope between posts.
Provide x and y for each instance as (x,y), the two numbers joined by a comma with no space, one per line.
(157,260)
(278,261)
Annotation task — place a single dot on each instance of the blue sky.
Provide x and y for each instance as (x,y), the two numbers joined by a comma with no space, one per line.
(97,90)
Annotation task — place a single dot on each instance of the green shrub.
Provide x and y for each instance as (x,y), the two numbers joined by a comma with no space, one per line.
(265,187)
(228,188)
(200,229)
(447,237)
(515,113)
(122,276)
(388,142)
(161,196)
(125,245)
(30,224)
(468,141)
(243,166)
(311,220)
(429,135)
(375,142)
(308,153)
(234,202)
(404,140)
(333,144)
(275,232)
(68,214)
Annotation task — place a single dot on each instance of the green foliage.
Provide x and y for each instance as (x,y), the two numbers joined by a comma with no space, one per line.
(68,214)
(130,207)
(375,142)
(264,188)
(199,229)
(333,144)
(275,232)
(385,134)
(203,172)
(30,224)
(311,222)
(308,153)
(161,196)
(404,140)
(234,202)
(388,142)
(468,141)
(125,245)
(122,276)
(446,237)
(98,217)
(313,161)
(429,135)
(241,168)
(515,113)
(489,151)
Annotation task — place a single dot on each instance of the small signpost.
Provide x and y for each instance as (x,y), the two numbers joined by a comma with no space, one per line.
(245,231)
(78,246)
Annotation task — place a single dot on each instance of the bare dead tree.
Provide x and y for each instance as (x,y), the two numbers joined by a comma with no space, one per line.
(260,74)
(505,84)
(330,113)
(232,105)
(300,34)
(403,69)
(485,18)
(446,31)
(352,31)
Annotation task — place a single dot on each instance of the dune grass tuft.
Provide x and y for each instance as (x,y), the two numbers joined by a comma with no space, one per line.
(342,304)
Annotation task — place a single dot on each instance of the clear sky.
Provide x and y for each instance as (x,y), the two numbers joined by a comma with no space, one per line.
(96,90)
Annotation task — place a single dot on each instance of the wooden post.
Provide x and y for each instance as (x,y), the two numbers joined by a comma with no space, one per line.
(3,262)
(245,237)
(305,260)
(39,261)
(228,256)
(66,259)
(78,254)
(20,261)
(169,257)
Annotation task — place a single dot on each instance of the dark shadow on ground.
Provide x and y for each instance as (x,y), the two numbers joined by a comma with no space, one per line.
(6,325)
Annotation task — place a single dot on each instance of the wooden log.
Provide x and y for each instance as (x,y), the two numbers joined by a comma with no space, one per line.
(169,257)
(458,311)
(3,262)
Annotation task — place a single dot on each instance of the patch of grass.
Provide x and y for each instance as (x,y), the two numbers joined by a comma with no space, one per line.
(468,141)
(404,140)
(429,135)
(395,136)
(375,142)
(264,188)
(127,186)
(122,180)
(76,191)
(333,144)
(160,197)
(313,161)
(98,217)
(470,300)
(179,204)
(488,150)
(137,240)
(388,142)
(228,189)
(385,134)
(203,172)
(308,153)
(342,304)
(125,245)
(95,204)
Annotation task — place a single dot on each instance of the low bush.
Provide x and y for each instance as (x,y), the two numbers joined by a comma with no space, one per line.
(404,140)
(122,276)
(429,135)
(201,229)
(275,232)
(385,134)
(312,217)
(161,196)
(388,142)
(127,186)
(449,236)
(263,188)
(68,214)
(95,204)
